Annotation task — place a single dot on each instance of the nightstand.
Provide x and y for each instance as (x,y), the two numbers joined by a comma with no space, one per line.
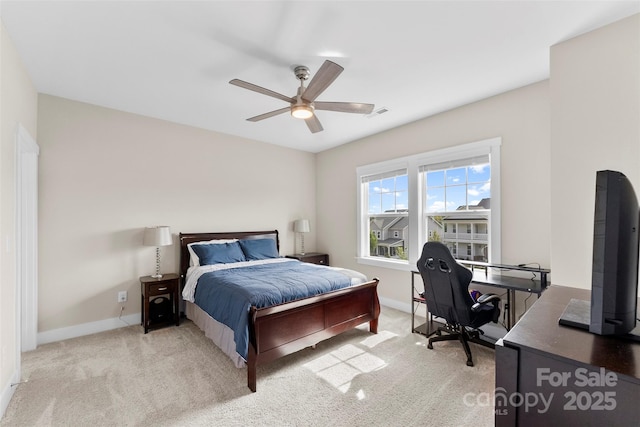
(160,304)
(312,257)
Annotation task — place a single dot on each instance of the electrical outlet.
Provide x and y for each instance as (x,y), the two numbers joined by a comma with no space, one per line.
(122,296)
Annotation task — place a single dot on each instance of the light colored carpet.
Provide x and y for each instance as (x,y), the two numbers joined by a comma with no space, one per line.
(177,377)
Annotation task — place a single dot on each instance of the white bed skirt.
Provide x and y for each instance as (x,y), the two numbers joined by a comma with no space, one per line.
(219,333)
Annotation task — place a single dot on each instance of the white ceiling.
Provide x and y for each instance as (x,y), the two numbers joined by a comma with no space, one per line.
(173,59)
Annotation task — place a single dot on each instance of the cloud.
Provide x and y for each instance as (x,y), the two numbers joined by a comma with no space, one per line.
(483,189)
(381,190)
(439,206)
(479,168)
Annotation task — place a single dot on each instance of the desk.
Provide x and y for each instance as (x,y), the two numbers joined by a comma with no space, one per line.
(538,349)
(511,284)
(483,275)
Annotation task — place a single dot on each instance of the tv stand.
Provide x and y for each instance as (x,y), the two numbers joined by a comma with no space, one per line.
(577,314)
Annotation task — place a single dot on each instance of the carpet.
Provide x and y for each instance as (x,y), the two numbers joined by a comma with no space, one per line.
(176,377)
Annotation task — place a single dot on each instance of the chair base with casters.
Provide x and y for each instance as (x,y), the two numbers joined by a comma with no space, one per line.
(447,295)
(459,332)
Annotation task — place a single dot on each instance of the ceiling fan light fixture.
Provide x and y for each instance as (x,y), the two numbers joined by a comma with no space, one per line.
(301,111)
(303,105)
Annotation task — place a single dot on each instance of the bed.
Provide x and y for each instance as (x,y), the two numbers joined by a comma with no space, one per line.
(272,330)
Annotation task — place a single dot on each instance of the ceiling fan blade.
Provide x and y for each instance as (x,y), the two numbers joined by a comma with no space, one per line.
(313,124)
(327,73)
(269,114)
(260,89)
(344,107)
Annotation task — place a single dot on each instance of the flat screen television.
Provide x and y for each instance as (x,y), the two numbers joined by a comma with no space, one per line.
(614,274)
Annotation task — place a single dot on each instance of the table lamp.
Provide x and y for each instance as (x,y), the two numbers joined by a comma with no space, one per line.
(301,226)
(157,236)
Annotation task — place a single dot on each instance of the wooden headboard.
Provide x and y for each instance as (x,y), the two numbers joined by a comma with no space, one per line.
(186,238)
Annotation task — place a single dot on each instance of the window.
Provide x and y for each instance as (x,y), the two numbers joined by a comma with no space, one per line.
(457,193)
(386,198)
(450,195)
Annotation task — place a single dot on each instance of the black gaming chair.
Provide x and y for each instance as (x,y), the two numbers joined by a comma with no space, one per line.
(446,291)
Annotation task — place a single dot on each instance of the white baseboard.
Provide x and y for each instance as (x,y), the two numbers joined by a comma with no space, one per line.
(88,328)
(7,393)
(60,334)
(398,305)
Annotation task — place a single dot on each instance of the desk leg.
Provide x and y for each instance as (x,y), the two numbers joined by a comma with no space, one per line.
(511,300)
(413,304)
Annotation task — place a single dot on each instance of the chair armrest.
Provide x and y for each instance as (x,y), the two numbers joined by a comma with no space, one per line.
(484,300)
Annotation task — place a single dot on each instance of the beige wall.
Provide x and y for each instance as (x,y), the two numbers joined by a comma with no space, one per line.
(106,174)
(519,117)
(18,105)
(595,122)
(555,135)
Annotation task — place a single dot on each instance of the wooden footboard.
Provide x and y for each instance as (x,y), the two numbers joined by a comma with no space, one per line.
(286,328)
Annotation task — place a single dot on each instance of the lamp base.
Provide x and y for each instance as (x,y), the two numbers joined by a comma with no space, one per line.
(157,275)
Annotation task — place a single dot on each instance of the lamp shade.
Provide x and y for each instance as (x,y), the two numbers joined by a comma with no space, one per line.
(157,236)
(301,226)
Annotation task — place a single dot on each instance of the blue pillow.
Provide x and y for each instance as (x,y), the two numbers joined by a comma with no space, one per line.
(255,249)
(222,253)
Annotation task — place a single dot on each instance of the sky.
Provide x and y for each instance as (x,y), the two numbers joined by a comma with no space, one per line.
(446,190)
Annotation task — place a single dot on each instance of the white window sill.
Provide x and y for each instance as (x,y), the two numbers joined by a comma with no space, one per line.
(386,263)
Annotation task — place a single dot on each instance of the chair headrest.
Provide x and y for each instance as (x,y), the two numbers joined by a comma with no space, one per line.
(441,264)
(436,255)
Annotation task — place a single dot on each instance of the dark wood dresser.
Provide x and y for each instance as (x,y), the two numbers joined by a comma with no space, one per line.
(549,374)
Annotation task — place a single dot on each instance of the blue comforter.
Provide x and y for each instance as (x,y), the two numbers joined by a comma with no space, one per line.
(227,295)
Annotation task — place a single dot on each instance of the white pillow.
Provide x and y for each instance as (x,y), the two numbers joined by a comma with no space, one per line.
(194,261)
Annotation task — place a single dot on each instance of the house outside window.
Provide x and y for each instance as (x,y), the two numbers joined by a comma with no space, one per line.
(445,195)
(386,207)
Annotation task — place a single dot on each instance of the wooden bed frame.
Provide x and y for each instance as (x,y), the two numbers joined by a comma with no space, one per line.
(286,328)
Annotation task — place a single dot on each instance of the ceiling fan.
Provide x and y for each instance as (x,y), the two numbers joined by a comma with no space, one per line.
(304,104)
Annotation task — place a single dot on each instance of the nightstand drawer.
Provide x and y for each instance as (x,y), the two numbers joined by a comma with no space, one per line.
(161,288)
(317,259)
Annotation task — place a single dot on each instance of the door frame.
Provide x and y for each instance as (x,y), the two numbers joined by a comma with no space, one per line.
(27,152)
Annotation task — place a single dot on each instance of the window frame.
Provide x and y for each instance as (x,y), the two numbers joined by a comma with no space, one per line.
(412,164)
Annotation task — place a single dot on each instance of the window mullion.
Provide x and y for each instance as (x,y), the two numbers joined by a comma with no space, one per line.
(416,228)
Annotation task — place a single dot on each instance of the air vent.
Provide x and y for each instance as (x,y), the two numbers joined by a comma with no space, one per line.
(377,112)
